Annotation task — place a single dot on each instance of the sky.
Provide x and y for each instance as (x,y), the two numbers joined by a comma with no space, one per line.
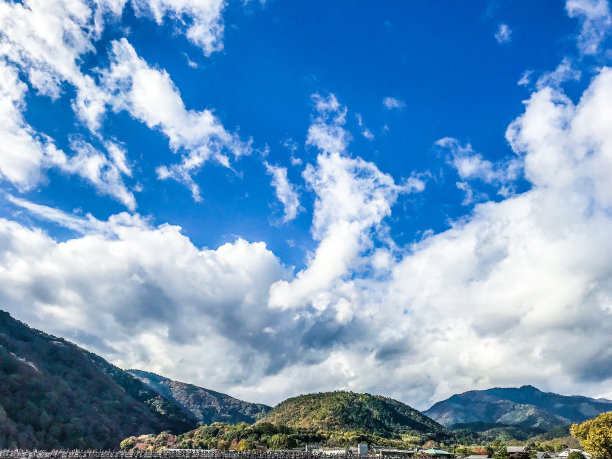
(406,198)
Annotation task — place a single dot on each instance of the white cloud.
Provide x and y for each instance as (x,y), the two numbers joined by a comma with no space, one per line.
(353,197)
(471,165)
(364,130)
(392,103)
(146,292)
(204,19)
(503,34)
(285,191)
(596,22)
(525,78)
(103,172)
(326,132)
(21,153)
(25,154)
(47,41)
(564,72)
(526,280)
(149,95)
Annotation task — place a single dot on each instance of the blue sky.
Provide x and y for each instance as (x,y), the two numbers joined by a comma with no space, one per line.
(414,188)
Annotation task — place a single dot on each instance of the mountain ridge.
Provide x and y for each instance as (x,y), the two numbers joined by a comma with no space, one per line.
(206,405)
(81,400)
(524,406)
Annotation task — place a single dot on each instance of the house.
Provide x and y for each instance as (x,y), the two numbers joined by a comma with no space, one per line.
(516,449)
(477,456)
(565,453)
(544,455)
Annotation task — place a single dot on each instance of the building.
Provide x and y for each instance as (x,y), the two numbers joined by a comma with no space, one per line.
(439,453)
(565,453)
(393,452)
(516,449)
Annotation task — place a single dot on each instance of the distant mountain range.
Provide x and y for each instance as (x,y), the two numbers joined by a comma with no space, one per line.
(337,411)
(525,407)
(206,406)
(53,394)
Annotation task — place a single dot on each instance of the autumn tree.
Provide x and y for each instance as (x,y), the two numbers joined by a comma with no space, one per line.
(595,435)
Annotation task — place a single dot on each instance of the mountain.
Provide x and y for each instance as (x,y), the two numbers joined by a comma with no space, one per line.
(205,405)
(526,407)
(53,394)
(337,411)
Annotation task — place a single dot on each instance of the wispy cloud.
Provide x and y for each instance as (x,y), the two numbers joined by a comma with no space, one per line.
(596,23)
(391,103)
(285,191)
(503,34)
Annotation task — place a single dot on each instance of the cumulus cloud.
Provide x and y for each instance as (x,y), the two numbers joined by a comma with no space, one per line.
(21,152)
(353,197)
(526,280)
(285,191)
(27,154)
(47,42)
(391,103)
(503,34)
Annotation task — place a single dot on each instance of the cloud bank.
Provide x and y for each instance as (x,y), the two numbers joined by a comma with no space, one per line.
(525,282)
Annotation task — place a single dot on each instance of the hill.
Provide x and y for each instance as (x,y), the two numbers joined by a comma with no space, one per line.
(526,407)
(344,411)
(53,394)
(205,405)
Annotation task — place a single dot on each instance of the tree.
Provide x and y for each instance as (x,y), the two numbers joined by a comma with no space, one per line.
(223,445)
(128,443)
(595,435)
(575,455)
(281,441)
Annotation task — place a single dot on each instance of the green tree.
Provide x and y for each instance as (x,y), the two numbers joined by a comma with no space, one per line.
(595,435)
(223,445)
(128,443)
(575,455)
(280,441)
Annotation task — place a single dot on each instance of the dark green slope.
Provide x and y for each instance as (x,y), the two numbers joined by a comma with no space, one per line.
(205,405)
(526,407)
(54,394)
(336,411)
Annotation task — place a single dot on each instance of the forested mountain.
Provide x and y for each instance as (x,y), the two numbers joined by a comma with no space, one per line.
(205,405)
(53,394)
(526,407)
(338,411)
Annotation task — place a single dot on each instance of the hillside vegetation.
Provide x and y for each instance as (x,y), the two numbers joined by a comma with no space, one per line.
(205,405)
(343,411)
(54,394)
(526,407)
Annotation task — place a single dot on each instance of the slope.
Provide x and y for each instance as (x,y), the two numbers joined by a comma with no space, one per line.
(205,405)
(54,394)
(338,411)
(525,406)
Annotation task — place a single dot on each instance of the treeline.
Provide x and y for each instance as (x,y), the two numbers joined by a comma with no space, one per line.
(263,435)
